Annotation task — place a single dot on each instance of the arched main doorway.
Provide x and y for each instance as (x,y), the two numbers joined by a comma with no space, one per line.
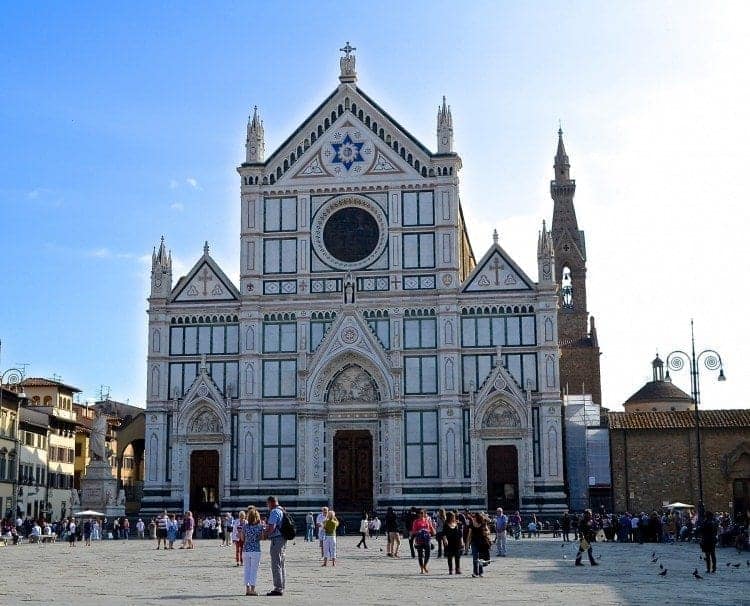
(204,482)
(502,478)
(352,470)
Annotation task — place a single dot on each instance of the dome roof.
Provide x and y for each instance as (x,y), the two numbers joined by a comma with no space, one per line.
(658,391)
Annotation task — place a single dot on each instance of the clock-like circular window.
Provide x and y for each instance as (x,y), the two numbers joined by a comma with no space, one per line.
(351,234)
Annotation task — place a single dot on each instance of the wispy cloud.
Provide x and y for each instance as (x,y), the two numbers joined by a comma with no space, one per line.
(36,192)
(192,182)
(173,184)
(178,206)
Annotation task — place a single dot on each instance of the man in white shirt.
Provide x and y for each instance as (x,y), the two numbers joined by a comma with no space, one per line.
(319,525)
(140,528)
(501,526)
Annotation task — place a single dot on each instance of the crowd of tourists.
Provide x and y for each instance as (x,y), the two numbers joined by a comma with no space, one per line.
(441,534)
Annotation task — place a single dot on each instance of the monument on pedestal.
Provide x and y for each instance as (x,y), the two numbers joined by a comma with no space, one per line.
(98,488)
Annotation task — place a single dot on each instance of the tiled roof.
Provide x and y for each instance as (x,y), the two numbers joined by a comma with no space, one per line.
(42,382)
(659,391)
(679,419)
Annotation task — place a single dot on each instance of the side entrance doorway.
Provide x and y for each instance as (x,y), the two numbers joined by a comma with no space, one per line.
(502,478)
(204,482)
(352,471)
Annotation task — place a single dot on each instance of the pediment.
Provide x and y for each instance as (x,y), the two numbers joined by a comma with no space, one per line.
(349,151)
(497,272)
(568,245)
(205,282)
(348,341)
(499,382)
(313,152)
(203,388)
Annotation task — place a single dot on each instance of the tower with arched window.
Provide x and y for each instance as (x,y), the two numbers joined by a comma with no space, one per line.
(579,346)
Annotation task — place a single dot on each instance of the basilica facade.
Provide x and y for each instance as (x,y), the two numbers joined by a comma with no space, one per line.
(367,358)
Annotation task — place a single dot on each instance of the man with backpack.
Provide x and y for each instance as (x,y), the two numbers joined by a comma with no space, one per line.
(279,529)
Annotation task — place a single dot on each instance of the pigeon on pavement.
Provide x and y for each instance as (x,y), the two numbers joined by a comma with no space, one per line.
(696,575)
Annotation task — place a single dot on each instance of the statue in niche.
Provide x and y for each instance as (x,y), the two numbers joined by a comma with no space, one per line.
(353,384)
(205,422)
(502,416)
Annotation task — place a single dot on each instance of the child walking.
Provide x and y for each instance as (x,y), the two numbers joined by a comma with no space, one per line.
(237,538)
(329,539)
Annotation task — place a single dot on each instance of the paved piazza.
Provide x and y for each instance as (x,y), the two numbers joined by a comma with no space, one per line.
(119,572)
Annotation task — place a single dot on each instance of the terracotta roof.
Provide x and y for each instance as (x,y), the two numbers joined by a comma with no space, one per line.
(659,391)
(42,382)
(679,419)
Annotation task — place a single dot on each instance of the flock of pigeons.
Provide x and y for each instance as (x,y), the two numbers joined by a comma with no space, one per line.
(696,574)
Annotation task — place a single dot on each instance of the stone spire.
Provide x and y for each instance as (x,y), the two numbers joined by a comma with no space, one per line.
(444,129)
(545,254)
(161,271)
(562,164)
(347,63)
(255,145)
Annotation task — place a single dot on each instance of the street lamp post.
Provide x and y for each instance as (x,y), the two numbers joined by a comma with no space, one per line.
(711,360)
(11,378)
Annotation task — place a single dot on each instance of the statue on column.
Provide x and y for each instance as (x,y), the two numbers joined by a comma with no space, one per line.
(98,438)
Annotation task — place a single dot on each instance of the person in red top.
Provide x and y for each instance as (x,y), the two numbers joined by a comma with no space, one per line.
(422,532)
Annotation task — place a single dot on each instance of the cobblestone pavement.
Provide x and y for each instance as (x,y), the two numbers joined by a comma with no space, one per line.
(536,570)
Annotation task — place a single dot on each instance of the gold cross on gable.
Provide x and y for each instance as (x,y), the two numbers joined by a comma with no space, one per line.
(497,266)
(347,50)
(206,277)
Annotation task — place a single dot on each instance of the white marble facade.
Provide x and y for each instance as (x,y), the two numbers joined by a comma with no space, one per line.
(361,314)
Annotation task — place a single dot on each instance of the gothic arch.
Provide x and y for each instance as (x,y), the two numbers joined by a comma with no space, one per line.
(321,378)
(192,410)
(249,379)
(155,380)
(450,453)
(499,404)
(153,458)
(553,456)
(352,384)
(249,456)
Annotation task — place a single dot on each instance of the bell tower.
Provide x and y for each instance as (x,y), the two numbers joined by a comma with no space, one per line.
(579,347)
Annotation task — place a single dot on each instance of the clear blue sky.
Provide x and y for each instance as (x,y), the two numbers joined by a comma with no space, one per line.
(123,123)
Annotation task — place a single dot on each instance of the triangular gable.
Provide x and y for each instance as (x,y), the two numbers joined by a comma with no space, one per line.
(348,333)
(347,152)
(499,380)
(569,241)
(204,388)
(497,272)
(205,282)
(297,154)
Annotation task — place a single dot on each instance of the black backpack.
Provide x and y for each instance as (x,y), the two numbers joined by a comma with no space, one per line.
(288,528)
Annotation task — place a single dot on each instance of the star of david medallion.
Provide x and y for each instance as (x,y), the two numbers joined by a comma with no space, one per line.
(347,152)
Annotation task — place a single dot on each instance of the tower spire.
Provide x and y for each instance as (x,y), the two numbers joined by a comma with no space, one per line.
(161,271)
(562,163)
(444,128)
(255,145)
